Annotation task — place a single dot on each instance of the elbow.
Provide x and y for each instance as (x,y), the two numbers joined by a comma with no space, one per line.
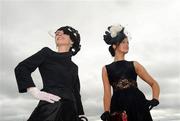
(107,96)
(155,85)
(17,69)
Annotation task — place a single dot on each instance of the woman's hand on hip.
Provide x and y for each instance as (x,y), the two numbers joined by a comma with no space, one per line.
(41,95)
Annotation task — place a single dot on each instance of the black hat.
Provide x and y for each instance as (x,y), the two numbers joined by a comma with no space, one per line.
(114,34)
(75,37)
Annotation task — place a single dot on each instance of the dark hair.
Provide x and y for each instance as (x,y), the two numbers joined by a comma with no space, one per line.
(75,37)
(111,50)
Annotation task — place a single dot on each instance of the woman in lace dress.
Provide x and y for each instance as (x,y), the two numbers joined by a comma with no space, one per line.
(121,75)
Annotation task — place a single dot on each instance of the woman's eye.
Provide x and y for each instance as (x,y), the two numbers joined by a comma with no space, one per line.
(123,42)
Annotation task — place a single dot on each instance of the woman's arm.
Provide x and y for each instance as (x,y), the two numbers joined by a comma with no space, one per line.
(24,80)
(24,69)
(144,75)
(107,90)
(79,105)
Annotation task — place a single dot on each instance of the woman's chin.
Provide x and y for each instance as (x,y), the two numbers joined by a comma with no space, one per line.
(63,44)
(125,52)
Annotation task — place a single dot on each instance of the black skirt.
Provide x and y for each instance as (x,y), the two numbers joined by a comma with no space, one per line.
(132,101)
(63,110)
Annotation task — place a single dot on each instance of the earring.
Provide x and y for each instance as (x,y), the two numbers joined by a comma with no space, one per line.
(71,43)
(114,47)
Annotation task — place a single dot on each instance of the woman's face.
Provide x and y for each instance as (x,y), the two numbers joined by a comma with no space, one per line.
(62,39)
(123,47)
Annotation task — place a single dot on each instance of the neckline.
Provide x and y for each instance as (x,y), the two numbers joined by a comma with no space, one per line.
(119,61)
(59,52)
(64,54)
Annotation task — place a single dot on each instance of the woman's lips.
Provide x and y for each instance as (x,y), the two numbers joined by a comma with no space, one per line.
(60,38)
(126,48)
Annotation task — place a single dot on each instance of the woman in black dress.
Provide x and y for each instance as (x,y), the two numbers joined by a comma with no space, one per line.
(127,101)
(60,98)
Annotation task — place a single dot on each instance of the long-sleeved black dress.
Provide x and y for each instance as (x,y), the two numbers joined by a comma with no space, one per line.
(60,77)
(126,95)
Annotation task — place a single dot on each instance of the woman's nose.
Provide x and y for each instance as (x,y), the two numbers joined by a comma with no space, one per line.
(127,43)
(59,34)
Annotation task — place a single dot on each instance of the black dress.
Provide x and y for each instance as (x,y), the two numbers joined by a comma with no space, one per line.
(126,95)
(60,77)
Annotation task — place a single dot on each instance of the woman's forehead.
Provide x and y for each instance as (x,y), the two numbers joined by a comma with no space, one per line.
(59,31)
(125,40)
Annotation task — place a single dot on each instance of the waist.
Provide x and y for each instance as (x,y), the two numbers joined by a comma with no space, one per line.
(124,84)
(125,90)
(63,92)
(57,87)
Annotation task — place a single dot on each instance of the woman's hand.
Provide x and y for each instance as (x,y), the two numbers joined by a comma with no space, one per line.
(152,103)
(105,116)
(41,95)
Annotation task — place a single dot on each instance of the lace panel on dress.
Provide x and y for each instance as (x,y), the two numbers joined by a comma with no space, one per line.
(123,84)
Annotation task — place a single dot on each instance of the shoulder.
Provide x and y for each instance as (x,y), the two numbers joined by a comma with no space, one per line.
(136,63)
(109,65)
(106,68)
(104,72)
(138,67)
(46,51)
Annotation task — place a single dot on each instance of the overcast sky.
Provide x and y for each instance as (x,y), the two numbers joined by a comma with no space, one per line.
(155,30)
